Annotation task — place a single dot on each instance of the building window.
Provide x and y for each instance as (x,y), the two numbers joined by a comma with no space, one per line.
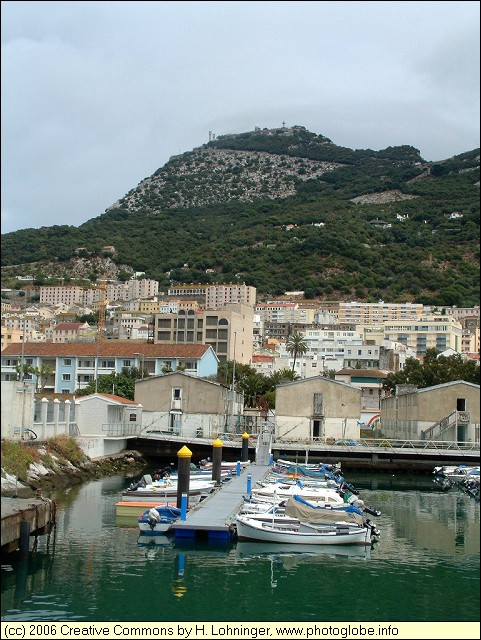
(176,394)
(126,363)
(65,391)
(133,417)
(66,377)
(67,362)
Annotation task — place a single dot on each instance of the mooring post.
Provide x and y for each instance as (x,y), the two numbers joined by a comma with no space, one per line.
(24,543)
(238,468)
(184,456)
(249,484)
(183,507)
(245,447)
(216,460)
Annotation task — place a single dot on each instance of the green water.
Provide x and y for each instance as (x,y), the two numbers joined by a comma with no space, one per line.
(424,568)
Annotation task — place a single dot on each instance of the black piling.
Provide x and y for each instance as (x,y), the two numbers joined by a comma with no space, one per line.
(245,447)
(184,457)
(217,460)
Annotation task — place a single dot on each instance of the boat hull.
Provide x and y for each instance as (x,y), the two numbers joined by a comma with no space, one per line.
(262,531)
(158,495)
(158,520)
(132,508)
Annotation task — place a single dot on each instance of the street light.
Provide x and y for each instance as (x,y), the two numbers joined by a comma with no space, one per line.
(344,423)
(233,383)
(142,356)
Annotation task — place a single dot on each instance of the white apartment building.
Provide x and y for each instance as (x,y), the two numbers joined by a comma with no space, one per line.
(23,322)
(86,296)
(367,313)
(125,325)
(218,296)
(187,290)
(227,330)
(326,350)
(462,312)
(66,294)
(286,312)
(438,332)
(142,289)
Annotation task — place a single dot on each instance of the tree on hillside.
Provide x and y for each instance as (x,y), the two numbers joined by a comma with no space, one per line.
(432,371)
(296,346)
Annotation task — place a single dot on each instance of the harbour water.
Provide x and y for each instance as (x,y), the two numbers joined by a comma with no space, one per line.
(425,567)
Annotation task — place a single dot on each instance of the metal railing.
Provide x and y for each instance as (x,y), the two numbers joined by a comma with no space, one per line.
(382,443)
(121,429)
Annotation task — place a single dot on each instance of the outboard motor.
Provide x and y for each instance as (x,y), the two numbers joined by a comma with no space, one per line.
(154,517)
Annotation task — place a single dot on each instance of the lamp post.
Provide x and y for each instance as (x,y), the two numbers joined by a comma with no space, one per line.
(344,424)
(142,356)
(97,364)
(233,384)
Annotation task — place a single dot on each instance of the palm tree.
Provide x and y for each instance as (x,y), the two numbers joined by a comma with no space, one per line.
(296,346)
(252,387)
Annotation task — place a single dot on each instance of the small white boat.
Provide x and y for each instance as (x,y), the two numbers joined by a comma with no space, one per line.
(206,465)
(319,494)
(158,520)
(456,473)
(166,488)
(340,533)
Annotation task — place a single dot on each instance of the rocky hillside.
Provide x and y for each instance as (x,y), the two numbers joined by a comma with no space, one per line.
(286,209)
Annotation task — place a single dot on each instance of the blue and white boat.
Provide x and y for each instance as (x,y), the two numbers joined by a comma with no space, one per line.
(158,520)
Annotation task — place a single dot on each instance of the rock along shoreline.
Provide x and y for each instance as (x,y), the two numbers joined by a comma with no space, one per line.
(62,474)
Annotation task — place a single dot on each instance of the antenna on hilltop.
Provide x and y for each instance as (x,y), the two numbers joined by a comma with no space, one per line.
(210,136)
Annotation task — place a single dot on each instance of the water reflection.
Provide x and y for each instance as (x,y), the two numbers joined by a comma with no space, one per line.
(246,550)
(93,567)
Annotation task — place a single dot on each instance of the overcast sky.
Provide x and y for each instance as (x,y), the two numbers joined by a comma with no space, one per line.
(97,96)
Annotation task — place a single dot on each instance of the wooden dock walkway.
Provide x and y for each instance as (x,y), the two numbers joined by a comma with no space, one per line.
(22,518)
(213,515)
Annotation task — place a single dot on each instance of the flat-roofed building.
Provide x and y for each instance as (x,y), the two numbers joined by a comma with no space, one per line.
(228,330)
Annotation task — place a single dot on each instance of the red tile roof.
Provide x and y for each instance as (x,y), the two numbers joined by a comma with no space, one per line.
(111,396)
(108,348)
(69,326)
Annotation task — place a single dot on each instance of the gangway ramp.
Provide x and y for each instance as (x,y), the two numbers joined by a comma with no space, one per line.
(212,515)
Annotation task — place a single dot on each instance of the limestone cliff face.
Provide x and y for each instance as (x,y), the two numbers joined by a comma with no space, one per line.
(210,176)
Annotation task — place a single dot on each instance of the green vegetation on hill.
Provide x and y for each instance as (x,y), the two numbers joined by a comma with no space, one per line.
(223,213)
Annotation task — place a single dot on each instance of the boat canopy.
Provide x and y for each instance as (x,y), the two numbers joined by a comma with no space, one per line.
(297,507)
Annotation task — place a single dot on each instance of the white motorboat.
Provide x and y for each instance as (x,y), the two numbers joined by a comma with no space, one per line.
(319,494)
(340,533)
(165,488)
(456,473)
(206,465)
(158,520)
